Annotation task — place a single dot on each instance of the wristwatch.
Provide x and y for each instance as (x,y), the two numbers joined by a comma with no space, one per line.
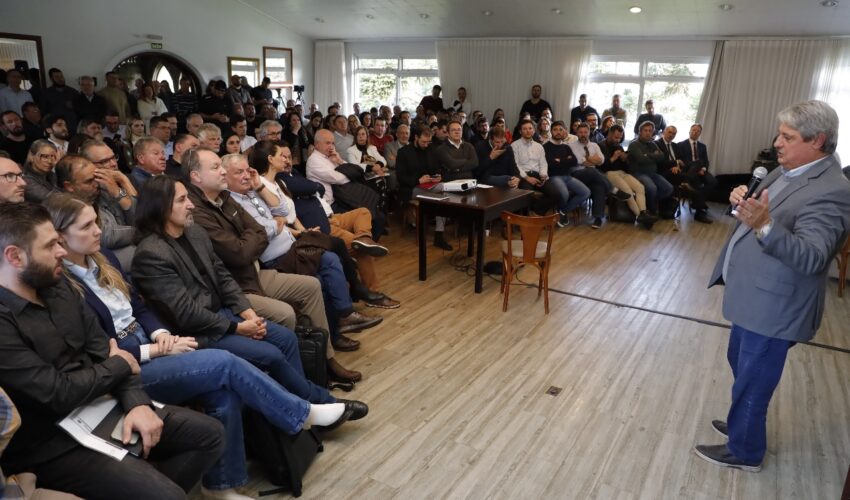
(121,194)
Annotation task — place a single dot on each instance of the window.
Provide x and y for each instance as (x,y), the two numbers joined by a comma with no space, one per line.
(675,86)
(397,80)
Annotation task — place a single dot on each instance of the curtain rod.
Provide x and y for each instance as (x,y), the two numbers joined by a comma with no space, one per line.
(595,39)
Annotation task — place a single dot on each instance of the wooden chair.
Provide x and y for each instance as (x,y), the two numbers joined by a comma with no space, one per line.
(527,250)
(842,258)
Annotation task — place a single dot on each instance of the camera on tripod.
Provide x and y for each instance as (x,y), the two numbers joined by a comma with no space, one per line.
(298,88)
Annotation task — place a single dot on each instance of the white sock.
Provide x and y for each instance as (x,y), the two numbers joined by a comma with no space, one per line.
(324,414)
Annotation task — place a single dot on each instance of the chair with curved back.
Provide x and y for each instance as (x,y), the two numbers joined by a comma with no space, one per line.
(529,249)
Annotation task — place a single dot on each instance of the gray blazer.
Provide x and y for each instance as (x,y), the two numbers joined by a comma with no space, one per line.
(173,287)
(777,287)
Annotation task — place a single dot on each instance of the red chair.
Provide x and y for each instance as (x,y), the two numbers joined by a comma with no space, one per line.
(527,250)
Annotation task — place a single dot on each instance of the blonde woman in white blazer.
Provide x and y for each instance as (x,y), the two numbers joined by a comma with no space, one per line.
(366,155)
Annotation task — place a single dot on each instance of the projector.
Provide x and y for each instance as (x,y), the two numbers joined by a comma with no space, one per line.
(460,185)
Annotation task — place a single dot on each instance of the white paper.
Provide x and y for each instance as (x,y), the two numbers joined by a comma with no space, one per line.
(81,422)
(485,186)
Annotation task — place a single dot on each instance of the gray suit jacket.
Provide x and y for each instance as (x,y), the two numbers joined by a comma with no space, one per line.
(776,287)
(173,287)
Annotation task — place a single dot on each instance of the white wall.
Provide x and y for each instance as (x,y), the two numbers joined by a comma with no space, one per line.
(85,36)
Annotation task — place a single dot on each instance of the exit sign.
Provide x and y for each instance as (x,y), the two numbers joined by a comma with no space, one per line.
(156,45)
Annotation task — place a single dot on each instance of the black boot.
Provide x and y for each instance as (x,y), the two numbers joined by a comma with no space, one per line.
(441,242)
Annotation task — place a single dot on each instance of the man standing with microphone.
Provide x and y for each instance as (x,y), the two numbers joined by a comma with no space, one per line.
(774,266)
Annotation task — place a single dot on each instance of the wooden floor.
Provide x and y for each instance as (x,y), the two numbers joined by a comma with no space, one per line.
(457,389)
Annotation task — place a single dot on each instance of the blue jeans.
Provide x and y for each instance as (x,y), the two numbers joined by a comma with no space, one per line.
(334,291)
(757,362)
(220,383)
(572,191)
(657,188)
(598,184)
(277,353)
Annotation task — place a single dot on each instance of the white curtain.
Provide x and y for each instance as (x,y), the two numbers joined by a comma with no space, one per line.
(329,78)
(749,82)
(833,87)
(500,73)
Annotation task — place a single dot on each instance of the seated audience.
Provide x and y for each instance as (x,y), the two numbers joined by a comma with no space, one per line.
(239,128)
(616,168)
(215,107)
(455,159)
(496,163)
(57,133)
(588,158)
(191,291)
(32,121)
(109,191)
(38,171)
(543,133)
(193,123)
(241,244)
(349,231)
(270,130)
(182,143)
(644,158)
(379,136)
(695,155)
(161,129)
(149,154)
(300,144)
(365,154)
(12,182)
(534,170)
(341,135)
(209,135)
(561,162)
(402,138)
(173,370)
(16,142)
(417,173)
(55,357)
(596,134)
(482,131)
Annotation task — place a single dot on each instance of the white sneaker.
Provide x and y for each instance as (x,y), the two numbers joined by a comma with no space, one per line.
(228,494)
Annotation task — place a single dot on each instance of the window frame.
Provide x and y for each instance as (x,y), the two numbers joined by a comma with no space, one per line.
(642,78)
(399,72)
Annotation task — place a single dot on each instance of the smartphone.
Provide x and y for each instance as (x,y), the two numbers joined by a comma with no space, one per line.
(118,433)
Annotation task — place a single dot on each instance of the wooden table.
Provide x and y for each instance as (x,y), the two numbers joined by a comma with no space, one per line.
(478,207)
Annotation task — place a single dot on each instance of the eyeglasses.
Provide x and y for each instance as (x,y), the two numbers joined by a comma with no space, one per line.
(12,177)
(261,209)
(105,160)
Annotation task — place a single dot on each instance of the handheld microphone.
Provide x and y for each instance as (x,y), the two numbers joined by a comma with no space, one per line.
(758,175)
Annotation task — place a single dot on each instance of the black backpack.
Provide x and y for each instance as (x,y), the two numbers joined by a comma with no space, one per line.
(285,458)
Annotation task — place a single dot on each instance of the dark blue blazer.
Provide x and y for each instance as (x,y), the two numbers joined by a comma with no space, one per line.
(687,155)
(144,316)
(303,190)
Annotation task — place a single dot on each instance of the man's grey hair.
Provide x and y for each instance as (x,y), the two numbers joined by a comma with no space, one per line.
(142,145)
(264,127)
(231,159)
(811,118)
(85,149)
(208,130)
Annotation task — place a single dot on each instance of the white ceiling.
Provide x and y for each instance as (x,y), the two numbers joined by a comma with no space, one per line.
(347,19)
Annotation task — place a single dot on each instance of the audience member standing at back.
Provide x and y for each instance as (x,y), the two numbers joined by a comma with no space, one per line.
(651,116)
(580,112)
(433,102)
(536,104)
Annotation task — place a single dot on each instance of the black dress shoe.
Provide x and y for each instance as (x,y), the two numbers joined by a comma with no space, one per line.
(359,409)
(703,217)
(719,454)
(622,195)
(720,427)
(345,417)
(345,344)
